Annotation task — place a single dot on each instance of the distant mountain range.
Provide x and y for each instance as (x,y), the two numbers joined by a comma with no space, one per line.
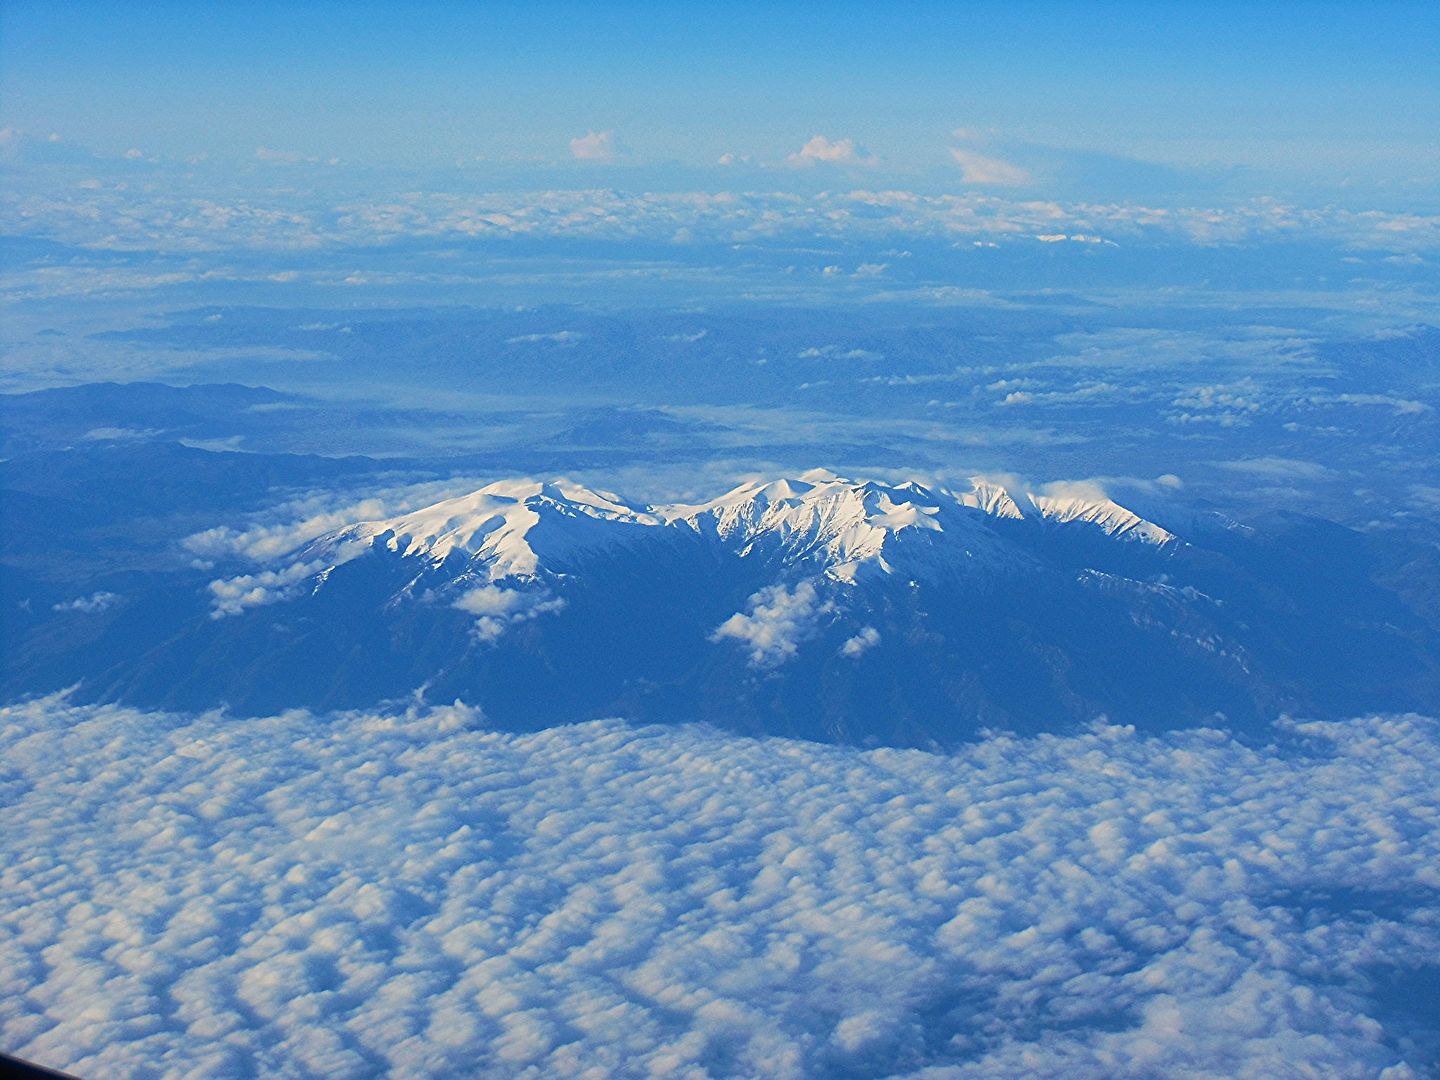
(818,607)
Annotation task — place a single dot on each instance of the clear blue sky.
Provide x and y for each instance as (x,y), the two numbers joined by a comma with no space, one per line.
(1320,89)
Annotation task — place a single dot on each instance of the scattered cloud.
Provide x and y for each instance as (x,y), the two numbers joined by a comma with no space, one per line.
(861,643)
(234,595)
(1400,406)
(595,146)
(88,605)
(145,218)
(778,620)
(822,151)
(119,434)
(497,608)
(838,352)
(559,337)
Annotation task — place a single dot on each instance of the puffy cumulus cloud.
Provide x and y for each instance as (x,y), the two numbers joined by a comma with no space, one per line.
(89,605)
(595,146)
(233,595)
(408,894)
(269,541)
(497,608)
(861,643)
(822,151)
(778,620)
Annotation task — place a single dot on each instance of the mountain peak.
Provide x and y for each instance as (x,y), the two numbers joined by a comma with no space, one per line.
(515,528)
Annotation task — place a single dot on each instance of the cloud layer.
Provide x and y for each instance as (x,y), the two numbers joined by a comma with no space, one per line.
(408,894)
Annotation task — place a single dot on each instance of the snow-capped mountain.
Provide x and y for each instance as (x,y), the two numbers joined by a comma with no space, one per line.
(512,528)
(817,606)
(836,526)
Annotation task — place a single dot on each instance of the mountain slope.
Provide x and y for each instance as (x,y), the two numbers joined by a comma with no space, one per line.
(814,606)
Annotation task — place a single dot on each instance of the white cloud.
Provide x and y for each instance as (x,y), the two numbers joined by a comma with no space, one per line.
(283,528)
(822,151)
(118,434)
(861,643)
(595,146)
(779,620)
(233,595)
(280,220)
(981,169)
(1400,406)
(497,608)
(559,337)
(88,605)
(407,894)
(816,352)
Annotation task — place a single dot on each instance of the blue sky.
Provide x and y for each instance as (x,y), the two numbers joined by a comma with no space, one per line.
(1317,93)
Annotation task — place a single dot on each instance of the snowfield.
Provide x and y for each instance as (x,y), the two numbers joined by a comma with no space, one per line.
(411,895)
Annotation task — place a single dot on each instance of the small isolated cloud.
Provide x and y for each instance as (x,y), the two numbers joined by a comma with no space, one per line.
(822,151)
(231,596)
(118,434)
(559,337)
(88,605)
(779,620)
(595,146)
(817,352)
(981,169)
(727,159)
(1401,406)
(497,608)
(861,643)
